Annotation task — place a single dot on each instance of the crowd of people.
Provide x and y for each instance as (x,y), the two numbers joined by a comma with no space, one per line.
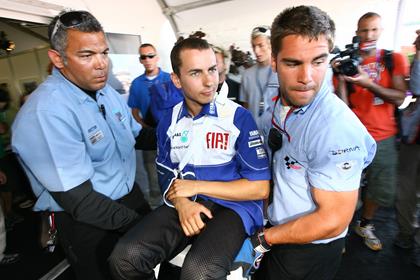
(264,174)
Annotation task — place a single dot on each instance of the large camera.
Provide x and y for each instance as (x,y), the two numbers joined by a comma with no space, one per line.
(349,59)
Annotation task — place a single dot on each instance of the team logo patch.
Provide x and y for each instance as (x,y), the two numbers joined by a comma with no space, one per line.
(217,140)
(120,117)
(346,165)
(291,163)
(261,153)
(184,136)
(255,143)
(345,150)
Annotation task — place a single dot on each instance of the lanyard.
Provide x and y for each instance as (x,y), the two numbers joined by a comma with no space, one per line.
(277,126)
(262,90)
(376,73)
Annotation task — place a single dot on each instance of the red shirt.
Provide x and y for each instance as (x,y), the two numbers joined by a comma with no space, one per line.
(376,114)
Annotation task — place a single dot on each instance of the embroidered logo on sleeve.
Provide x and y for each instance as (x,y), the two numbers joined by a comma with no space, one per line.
(345,150)
(346,165)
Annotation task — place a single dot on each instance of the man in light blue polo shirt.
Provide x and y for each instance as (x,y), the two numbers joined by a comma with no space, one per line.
(75,137)
(324,149)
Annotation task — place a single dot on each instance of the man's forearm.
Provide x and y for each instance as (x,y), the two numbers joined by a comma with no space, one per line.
(86,205)
(304,230)
(389,95)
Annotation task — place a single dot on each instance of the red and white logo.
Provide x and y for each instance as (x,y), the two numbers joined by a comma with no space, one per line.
(217,140)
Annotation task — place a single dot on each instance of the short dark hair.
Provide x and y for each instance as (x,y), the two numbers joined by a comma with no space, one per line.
(307,21)
(58,40)
(145,45)
(366,16)
(192,43)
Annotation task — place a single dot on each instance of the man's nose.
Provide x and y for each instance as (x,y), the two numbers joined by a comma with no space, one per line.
(305,74)
(208,79)
(101,61)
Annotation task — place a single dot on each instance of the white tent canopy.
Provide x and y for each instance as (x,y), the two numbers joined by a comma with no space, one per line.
(225,21)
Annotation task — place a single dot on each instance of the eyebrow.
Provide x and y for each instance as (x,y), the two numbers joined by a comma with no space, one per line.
(88,51)
(296,61)
(201,70)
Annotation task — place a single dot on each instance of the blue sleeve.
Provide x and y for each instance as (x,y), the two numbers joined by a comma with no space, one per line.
(337,155)
(251,154)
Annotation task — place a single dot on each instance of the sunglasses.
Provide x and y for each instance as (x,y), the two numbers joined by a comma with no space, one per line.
(144,56)
(69,20)
(262,29)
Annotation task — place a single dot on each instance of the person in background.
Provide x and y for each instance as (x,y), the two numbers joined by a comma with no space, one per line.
(75,137)
(373,95)
(5,259)
(257,81)
(224,80)
(139,102)
(408,191)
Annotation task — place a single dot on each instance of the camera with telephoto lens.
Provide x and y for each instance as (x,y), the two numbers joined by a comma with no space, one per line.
(350,59)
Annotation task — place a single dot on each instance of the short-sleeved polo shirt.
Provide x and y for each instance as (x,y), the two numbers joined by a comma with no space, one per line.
(64,138)
(326,147)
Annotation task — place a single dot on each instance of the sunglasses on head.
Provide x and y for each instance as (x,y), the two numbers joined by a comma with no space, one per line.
(69,20)
(262,29)
(144,56)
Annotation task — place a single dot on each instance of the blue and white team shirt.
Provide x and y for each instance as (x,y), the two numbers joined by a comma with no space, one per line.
(63,140)
(226,146)
(325,146)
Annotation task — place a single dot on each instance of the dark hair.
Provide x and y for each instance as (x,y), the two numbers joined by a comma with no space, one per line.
(59,41)
(192,43)
(366,16)
(307,21)
(147,45)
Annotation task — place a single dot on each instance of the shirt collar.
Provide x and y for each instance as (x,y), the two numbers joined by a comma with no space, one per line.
(208,109)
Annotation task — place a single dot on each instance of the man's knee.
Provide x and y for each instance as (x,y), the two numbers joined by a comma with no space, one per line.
(198,268)
(131,261)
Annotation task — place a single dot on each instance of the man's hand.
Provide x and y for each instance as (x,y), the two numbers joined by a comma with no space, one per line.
(251,253)
(182,188)
(3,178)
(362,79)
(189,215)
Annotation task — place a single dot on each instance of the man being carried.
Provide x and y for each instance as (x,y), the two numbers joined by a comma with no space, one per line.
(214,173)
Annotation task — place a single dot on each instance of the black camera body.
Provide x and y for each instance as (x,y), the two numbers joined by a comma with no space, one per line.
(350,59)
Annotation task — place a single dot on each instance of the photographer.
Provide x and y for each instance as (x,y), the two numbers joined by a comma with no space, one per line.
(373,93)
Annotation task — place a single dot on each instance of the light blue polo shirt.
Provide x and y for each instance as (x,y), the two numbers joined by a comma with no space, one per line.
(63,140)
(328,149)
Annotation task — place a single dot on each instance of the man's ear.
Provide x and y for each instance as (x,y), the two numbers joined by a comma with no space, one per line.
(175,80)
(56,58)
(273,64)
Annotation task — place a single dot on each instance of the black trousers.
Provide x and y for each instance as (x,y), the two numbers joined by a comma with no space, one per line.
(159,237)
(298,262)
(87,247)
